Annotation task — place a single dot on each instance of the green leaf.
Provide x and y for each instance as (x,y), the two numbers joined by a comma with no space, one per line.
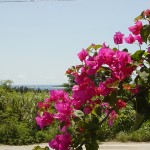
(79,148)
(106,99)
(98,111)
(76,119)
(138,121)
(62,124)
(125,50)
(95,120)
(39,148)
(46,148)
(91,126)
(41,113)
(137,55)
(115,49)
(145,32)
(97,46)
(136,80)
(36,148)
(93,47)
(92,146)
(79,113)
(144,76)
(141,16)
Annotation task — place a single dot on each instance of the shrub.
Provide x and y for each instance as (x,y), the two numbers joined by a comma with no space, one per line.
(17,117)
(141,135)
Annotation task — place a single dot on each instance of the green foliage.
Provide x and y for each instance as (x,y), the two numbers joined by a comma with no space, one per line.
(68,86)
(6,84)
(137,55)
(125,120)
(17,120)
(123,123)
(39,148)
(145,32)
(17,116)
(141,135)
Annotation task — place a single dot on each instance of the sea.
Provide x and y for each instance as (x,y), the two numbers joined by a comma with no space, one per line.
(41,87)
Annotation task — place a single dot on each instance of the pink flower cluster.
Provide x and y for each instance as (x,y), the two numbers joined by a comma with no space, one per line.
(62,103)
(118,37)
(106,107)
(83,91)
(62,112)
(44,120)
(61,142)
(100,75)
(119,65)
(120,104)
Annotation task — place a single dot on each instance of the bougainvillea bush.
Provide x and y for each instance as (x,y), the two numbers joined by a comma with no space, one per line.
(104,82)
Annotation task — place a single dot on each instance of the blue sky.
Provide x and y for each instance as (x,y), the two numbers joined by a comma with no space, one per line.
(39,41)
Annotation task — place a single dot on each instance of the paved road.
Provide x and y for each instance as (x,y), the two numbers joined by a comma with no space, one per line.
(103,146)
(125,146)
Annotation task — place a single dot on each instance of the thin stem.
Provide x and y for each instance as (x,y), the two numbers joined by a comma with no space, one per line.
(118,46)
(81,144)
(104,119)
(140,46)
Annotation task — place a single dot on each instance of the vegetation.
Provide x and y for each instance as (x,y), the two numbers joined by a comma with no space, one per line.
(141,135)
(17,115)
(18,126)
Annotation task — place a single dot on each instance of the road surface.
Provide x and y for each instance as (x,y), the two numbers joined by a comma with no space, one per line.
(103,146)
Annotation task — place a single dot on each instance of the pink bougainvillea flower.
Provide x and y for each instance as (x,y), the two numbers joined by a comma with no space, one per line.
(43,105)
(83,78)
(56,95)
(112,117)
(87,109)
(135,90)
(64,111)
(147,12)
(136,28)
(103,88)
(122,57)
(120,65)
(92,66)
(139,39)
(77,103)
(118,38)
(120,104)
(61,142)
(63,118)
(130,39)
(82,55)
(64,108)
(105,55)
(44,120)
(148,49)
(83,93)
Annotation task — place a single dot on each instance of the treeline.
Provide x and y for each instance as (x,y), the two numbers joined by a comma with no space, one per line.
(24,89)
